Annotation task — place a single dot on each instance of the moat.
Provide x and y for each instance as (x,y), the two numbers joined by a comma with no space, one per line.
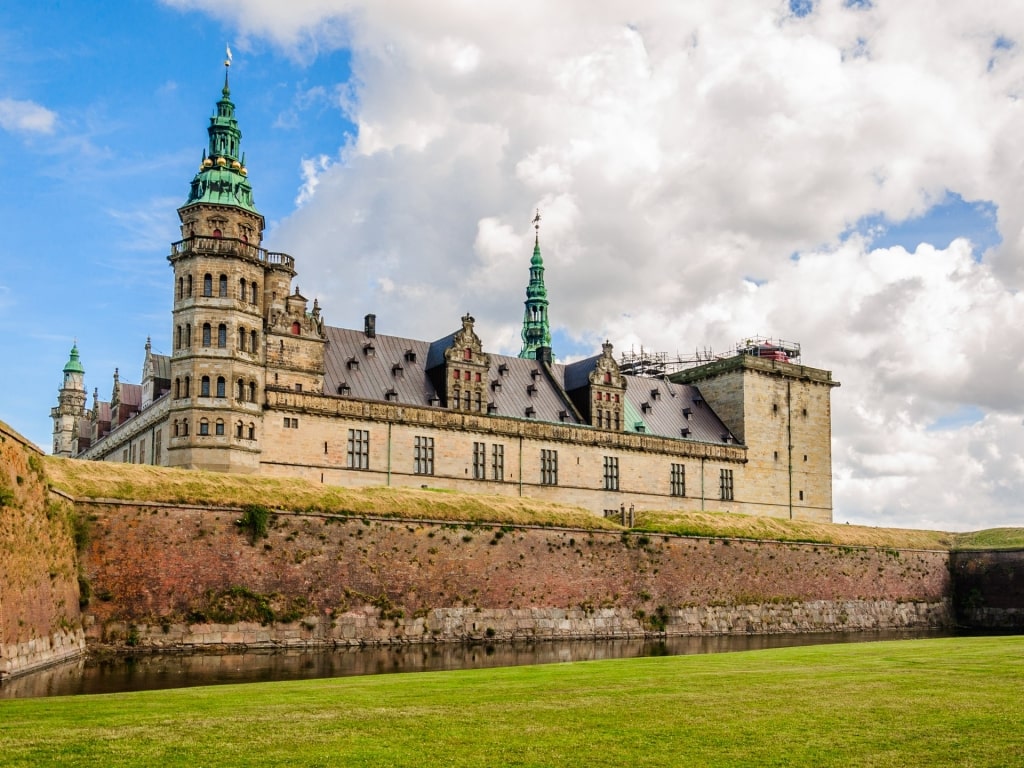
(115,673)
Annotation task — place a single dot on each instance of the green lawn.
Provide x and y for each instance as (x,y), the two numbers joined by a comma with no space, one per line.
(953,701)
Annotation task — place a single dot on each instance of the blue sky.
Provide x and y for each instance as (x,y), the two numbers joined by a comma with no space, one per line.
(845,175)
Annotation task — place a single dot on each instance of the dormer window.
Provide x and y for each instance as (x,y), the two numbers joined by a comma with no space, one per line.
(535,373)
(491,409)
(434,400)
(410,356)
(531,390)
(369,350)
(397,371)
(496,386)
(640,427)
(391,395)
(645,407)
(655,394)
(685,431)
(344,389)
(727,439)
(352,364)
(502,369)
(531,411)
(687,413)
(699,402)
(563,415)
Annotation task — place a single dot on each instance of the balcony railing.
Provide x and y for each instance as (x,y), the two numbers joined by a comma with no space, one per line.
(229,246)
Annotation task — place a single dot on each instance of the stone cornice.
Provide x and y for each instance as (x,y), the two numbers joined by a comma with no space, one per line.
(752,363)
(441,418)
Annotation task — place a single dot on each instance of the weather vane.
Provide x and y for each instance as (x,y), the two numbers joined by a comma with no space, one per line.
(227,61)
(536,223)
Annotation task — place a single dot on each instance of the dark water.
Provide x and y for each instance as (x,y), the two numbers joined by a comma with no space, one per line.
(150,671)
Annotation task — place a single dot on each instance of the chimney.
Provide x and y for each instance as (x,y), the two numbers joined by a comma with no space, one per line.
(370,326)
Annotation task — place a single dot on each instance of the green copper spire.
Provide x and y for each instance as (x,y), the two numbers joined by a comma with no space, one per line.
(223,178)
(536,332)
(74,365)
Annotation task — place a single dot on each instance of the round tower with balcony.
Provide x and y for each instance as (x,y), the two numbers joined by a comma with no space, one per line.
(224,284)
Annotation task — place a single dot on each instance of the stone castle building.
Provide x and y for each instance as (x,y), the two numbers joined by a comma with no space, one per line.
(258,383)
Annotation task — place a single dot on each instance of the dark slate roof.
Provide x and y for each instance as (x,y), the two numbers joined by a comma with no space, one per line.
(577,374)
(376,375)
(529,384)
(660,405)
(525,384)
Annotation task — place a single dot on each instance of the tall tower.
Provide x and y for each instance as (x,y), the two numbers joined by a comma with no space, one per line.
(225,288)
(70,406)
(536,331)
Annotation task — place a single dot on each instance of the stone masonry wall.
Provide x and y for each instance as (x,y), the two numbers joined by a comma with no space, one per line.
(170,576)
(39,616)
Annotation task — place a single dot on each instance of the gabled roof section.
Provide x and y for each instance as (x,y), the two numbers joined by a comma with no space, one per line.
(130,395)
(671,410)
(577,374)
(371,367)
(517,385)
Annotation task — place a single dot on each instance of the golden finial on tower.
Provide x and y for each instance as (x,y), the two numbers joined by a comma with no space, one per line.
(227,61)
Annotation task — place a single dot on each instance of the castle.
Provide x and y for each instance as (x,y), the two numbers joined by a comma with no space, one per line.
(257,382)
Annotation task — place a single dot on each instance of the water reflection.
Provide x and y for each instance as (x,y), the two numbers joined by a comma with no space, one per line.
(149,671)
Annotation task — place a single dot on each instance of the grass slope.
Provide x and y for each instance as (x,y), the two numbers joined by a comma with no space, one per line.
(939,702)
(134,482)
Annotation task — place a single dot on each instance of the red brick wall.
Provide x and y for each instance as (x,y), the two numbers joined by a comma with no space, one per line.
(151,562)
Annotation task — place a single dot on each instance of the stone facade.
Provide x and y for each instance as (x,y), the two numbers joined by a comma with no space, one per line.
(258,383)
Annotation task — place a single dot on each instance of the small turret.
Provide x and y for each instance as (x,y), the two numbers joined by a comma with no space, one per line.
(70,406)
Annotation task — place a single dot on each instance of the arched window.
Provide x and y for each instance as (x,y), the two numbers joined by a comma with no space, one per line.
(177,395)
(252,431)
(188,286)
(208,285)
(296,328)
(253,338)
(222,335)
(241,289)
(177,337)
(188,386)
(188,334)
(219,427)
(242,338)
(241,389)
(206,334)
(181,287)
(223,286)
(184,427)
(254,291)
(456,399)
(238,430)
(204,427)
(216,233)
(252,391)
(220,386)
(204,386)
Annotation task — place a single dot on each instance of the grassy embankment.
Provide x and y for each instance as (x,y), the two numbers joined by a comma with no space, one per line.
(95,480)
(940,702)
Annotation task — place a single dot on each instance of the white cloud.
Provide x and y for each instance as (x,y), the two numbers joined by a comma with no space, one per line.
(22,116)
(680,153)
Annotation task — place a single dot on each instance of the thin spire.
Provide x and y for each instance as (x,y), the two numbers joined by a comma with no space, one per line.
(227,67)
(536,330)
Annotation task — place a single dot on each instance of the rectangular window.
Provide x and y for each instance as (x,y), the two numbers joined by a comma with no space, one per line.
(479,461)
(358,449)
(290,423)
(497,462)
(423,456)
(677,480)
(725,485)
(548,467)
(611,473)
(142,457)
(158,440)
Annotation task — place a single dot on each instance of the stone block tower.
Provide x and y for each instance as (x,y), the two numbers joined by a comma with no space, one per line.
(782,412)
(226,286)
(70,406)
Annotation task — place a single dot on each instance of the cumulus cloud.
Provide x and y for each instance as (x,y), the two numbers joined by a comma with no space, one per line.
(700,170)
(22,116)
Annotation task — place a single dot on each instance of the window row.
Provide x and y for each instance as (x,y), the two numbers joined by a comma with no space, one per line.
(358,457)
(467,401)
(248,290)
(179,428)
(248,339)
(243,390)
